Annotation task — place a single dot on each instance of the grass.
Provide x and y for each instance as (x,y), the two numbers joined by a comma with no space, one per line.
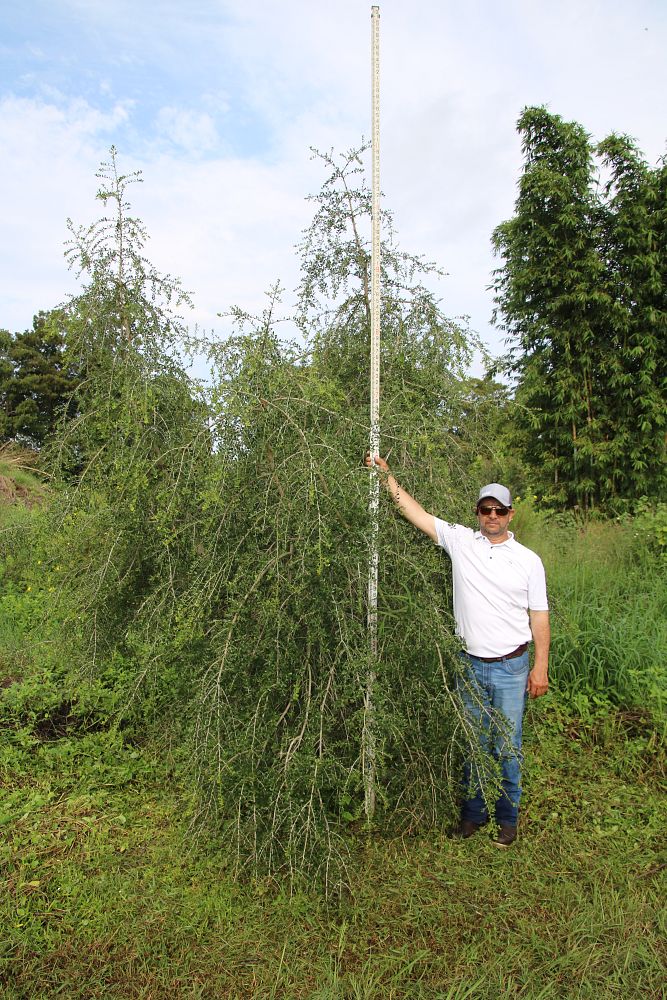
(105,895)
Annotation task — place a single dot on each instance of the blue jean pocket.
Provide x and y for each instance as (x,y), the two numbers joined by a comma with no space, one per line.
(518,665)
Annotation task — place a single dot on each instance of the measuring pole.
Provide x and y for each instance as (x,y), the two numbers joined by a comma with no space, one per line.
(368,741)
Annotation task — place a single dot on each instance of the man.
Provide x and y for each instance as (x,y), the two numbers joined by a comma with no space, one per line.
(500,604)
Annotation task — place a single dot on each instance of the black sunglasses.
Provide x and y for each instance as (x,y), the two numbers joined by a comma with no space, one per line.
(486,510)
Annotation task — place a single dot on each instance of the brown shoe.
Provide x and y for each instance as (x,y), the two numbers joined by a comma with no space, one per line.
(506,836)
(466,828)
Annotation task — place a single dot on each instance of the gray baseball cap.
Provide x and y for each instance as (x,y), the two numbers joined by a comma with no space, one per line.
(497,492)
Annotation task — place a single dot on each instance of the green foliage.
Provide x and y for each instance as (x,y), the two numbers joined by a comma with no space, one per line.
(488,428)
(126,303)
(36,380)
(648,524)
(608,592)
(42,698)
(581,293)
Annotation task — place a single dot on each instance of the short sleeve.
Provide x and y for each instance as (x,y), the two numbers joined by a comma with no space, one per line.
(450,535)
(537,587)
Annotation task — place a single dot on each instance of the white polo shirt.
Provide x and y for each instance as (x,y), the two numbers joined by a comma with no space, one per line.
(494,587)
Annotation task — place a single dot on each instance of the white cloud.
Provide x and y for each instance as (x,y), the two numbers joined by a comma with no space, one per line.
(226,227)
(47,174)
(193,131)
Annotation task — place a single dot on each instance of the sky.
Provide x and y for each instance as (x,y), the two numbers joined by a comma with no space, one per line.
(218,103)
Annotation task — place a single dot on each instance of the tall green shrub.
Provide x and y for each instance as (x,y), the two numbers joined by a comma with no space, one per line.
(279,741)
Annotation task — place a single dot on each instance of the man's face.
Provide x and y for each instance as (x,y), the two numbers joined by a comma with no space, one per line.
(494,519)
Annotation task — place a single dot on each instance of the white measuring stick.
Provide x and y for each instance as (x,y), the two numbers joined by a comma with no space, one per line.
(375,324)
(368,738)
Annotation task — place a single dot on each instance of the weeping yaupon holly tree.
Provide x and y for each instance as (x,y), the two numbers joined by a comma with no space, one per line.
(215,554)
(280,712)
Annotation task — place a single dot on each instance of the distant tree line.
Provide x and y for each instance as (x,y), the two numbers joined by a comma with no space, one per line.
(37,380)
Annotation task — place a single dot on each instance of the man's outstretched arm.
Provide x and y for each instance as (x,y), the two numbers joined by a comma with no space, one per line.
(407,505)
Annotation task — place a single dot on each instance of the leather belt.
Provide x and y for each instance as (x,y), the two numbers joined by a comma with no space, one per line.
(519,651)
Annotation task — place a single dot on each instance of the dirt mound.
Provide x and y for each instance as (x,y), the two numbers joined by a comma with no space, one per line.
(13,492)
(19,477)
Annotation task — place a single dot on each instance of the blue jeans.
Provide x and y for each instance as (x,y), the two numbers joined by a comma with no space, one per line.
(501,687)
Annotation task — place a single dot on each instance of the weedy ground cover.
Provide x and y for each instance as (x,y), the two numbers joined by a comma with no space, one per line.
(105,894)
(106,891)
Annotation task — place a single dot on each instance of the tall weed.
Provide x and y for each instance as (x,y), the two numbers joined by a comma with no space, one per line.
(608,591)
